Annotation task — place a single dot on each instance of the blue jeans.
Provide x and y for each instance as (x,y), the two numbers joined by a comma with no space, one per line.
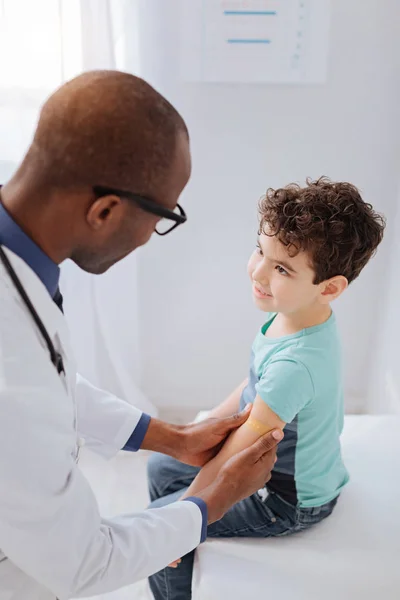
(259,516)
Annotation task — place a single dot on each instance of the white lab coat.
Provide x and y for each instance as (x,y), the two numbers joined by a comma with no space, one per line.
(53,541)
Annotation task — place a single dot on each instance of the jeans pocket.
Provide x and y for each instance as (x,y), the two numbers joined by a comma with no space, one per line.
(278,522)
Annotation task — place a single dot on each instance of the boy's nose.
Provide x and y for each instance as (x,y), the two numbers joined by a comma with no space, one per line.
(260,274)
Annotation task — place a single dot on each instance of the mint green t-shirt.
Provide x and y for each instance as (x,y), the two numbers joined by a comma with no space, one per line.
(299,376)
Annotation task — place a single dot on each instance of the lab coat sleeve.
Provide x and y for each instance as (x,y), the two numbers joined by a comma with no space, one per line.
(50,526)
(106,422)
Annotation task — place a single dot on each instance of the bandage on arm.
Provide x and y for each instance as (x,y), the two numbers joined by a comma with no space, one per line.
(258,426)
(261,420)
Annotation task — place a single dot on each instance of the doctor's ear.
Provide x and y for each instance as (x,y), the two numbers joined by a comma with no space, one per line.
(332,288)
(103,211)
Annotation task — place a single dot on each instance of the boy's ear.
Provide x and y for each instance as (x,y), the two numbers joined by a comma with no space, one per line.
(332,288)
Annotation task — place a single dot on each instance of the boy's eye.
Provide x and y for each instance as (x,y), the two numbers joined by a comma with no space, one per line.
(258,247)
(281,270)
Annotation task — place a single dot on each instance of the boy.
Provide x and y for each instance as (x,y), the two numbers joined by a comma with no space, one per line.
(313,241)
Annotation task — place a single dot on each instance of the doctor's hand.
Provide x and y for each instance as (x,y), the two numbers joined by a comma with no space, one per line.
(241,476)
(202,441)
(194,444)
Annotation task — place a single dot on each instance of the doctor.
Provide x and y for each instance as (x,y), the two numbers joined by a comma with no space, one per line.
(108,162)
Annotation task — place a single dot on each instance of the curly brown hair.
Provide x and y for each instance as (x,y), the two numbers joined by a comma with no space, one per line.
(330,221)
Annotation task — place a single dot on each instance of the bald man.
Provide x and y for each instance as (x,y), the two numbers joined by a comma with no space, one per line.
(107,164)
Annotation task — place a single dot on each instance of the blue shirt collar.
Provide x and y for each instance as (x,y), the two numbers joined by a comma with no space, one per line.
(16,240)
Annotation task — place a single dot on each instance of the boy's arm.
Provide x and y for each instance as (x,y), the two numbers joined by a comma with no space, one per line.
(230,406)
(261,420)
(284,389)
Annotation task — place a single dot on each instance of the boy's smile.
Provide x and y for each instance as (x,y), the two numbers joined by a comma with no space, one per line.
(259,292)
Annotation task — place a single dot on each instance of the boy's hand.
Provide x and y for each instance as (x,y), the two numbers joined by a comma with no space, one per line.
(174,564)
(202,441)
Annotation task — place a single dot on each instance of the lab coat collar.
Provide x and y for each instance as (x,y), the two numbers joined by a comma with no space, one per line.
(16,240)
(48,311)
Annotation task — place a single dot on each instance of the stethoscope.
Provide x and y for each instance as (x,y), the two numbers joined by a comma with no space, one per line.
(55,356)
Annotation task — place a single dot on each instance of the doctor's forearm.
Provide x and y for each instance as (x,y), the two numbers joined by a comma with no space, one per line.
(164,437)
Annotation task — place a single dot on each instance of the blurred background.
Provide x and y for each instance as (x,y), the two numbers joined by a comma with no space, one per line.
(170,328)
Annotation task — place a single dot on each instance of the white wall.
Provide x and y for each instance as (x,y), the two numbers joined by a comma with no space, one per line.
(384,393)
(196,315)
(197,318)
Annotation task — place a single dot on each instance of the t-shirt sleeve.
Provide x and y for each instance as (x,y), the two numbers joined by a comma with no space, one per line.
(286,386)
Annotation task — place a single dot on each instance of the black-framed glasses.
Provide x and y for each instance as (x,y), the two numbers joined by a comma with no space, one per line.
(178,215)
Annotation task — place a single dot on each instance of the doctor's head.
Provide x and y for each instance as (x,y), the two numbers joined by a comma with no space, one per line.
(108,162)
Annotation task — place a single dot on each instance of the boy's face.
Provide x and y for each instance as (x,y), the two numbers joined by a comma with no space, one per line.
(282,283)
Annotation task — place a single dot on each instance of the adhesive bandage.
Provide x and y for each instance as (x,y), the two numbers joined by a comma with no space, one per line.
(257,426)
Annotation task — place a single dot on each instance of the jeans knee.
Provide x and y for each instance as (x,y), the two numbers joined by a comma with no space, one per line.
(161,467)
(167,475)
(157,467)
